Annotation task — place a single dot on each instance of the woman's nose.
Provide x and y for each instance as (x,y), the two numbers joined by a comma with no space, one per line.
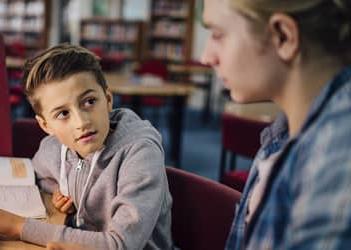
(208,56)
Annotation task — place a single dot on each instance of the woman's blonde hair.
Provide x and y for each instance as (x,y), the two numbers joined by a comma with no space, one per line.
(326,23)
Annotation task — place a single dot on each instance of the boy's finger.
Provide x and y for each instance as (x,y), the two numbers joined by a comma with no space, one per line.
(60,202)
(65,207)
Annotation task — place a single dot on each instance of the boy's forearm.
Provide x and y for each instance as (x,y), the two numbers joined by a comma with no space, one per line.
(11,225)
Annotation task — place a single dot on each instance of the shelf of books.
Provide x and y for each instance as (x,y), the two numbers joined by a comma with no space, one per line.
(24,24)
(171,30)
(112,37)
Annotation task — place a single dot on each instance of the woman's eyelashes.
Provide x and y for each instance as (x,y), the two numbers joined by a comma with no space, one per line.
(215,35)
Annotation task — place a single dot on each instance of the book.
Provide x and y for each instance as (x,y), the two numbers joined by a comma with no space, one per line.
(18,192)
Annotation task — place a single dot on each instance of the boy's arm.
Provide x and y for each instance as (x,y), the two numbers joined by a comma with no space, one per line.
(142,186)
(11,226)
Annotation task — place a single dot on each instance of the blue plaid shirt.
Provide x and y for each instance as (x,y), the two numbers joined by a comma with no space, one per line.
(306,204)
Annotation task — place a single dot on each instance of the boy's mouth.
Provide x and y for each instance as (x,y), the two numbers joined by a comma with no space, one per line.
(87,136)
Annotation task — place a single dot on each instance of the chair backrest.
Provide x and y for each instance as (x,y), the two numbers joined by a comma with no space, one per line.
(202,211)
(5,110)
(153,67)
(27,136)
(240,135)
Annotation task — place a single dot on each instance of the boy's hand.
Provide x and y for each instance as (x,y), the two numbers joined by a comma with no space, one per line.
(62,203)
(11,226)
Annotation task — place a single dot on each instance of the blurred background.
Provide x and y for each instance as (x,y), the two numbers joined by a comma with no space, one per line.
(149,51)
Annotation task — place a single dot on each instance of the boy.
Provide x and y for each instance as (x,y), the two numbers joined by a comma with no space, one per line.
(108,165)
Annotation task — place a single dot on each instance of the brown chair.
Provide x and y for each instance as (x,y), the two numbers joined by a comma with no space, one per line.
(240,136)
(202,211)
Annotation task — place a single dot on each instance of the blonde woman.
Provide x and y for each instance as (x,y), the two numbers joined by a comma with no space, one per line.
(296,54)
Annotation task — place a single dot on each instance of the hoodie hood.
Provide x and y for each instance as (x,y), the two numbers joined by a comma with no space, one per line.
(126,127)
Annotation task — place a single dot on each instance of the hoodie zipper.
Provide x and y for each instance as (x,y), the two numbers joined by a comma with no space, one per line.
(78,180)
(79,165)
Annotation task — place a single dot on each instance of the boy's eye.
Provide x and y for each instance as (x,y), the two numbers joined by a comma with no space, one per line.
(62,115)
(89,102)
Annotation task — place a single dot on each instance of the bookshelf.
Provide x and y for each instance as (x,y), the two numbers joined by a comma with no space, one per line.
(113,37)
(171,30)
(25,22)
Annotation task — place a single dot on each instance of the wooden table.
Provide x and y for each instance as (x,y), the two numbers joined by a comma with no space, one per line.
(177,92)
(263,111)
(54,217)
(181,71)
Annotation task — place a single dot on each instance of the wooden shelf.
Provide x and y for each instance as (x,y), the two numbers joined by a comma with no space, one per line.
(25,22)
(175,17)
(112,36)
(171,30)
(167,37)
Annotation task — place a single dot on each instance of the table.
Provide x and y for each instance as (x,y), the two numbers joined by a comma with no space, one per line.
(177,92)
(188,69)
(54,217)
(262,111)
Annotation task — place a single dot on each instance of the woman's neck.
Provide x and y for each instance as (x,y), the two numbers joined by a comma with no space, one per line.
(302,87)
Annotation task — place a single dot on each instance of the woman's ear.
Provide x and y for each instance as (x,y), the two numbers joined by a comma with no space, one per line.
(109,98)
(43,124)
(285,36)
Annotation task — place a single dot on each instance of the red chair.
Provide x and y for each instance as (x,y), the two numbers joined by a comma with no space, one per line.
(5,110)
(27,136)
(202,211)
(108,61)
(240,136)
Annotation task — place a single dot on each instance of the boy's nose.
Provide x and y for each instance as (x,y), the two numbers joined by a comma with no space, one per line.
(82,120)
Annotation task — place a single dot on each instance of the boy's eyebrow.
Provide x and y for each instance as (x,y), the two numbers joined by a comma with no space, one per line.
(88,91)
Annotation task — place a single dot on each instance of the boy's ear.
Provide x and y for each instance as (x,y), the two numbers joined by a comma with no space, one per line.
(285,36)
(43,124)
(109,98)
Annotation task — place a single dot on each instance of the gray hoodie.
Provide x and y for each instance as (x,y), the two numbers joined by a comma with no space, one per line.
(127,204)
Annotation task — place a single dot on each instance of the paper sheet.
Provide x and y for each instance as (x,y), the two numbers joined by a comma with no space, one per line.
(24,201)
(16,171)
(18,192)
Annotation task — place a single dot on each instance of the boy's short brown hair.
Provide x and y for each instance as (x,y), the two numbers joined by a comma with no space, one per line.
(57,63)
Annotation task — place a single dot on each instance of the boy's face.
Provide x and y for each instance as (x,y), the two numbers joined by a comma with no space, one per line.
(76,111)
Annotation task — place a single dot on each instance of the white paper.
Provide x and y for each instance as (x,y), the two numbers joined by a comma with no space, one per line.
(7,178)
(24,201)
(18,192)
